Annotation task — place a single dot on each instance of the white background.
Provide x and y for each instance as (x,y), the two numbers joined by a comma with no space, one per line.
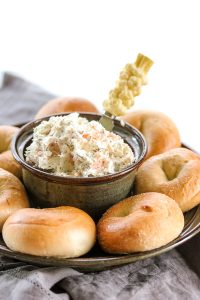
(79,47)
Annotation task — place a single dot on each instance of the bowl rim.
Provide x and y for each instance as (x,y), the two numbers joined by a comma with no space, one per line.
(72,179)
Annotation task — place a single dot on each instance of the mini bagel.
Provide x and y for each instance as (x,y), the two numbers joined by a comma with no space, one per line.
(12,195)
(67,104)
(140,223)
(59,232)
(159,130)
(175,173)
(8,163)
(6,134)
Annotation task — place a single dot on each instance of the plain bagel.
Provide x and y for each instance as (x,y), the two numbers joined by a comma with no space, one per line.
(67,104)
(175,173)
(159,130)
(59,232)
(140,223)
(8,163)
(12,195)
(6,134)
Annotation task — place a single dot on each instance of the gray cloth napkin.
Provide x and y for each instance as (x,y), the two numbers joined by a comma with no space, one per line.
(20,100)
(168,276)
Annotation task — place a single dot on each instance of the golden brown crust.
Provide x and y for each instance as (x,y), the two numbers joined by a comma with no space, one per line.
(175,173)
(8,163)
(6,134)
(67,104)
(61,232)
(140,223)
(12,195)
(159,130)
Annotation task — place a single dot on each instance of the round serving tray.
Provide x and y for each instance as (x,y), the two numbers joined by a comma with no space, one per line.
(97,260)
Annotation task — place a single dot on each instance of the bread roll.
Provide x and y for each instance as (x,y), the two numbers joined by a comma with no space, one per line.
(140,223)
(175,173)
(159,130)
(59,232)
(68,104)
(8,163)
(6,134)
(12,195)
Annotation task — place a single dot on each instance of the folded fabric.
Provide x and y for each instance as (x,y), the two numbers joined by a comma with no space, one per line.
(20,100)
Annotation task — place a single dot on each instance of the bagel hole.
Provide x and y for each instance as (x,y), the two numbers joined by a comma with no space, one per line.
(123,212)
(172,168)
(147,208)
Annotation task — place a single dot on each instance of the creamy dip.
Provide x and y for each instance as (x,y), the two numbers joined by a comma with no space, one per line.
(72,146)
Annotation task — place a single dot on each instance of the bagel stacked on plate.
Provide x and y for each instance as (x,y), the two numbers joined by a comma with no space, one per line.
(6,134)
(175,173)
(66,104)
(58,232)
(12,195)
(140,223)
(158,129)
(12,192)
(7,162)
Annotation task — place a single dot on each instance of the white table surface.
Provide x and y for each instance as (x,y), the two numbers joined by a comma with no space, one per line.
(79,47)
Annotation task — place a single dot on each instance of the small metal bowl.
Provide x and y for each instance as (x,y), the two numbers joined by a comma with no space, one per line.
(92,194)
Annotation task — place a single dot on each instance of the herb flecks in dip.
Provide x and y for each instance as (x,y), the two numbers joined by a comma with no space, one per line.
(72,146)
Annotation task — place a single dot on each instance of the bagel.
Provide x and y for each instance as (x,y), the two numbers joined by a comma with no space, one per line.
(159,130)
(140,223)
(175,173)
(59,232)
(8,163)
(12,195)
(6,134)
(67,104)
